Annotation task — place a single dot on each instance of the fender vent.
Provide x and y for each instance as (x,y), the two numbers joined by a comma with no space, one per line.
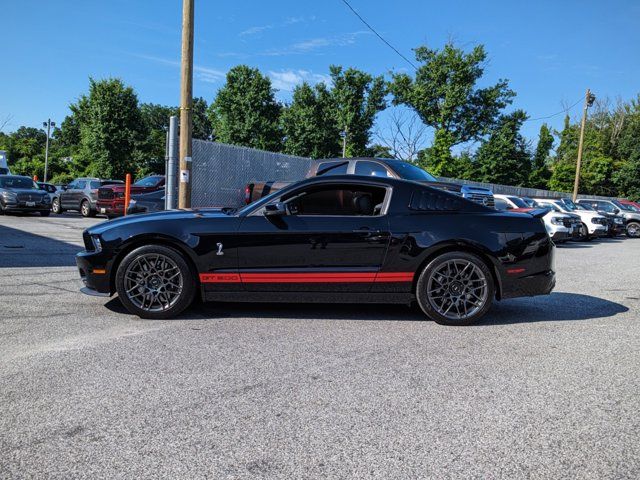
(434,201)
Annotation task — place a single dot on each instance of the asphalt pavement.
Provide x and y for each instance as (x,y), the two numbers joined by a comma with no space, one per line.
(544,387)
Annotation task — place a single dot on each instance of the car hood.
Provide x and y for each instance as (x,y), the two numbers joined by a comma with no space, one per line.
(29,191)
(166,216)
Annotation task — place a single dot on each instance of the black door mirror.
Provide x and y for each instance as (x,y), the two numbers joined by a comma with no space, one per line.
(275,209)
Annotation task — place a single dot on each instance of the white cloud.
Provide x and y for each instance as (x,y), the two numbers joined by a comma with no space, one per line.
(318,43)
(286,80)
(255,30)
(202,73)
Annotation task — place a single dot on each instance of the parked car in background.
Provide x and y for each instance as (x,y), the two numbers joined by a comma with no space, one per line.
(111,197)
(592,224)
(21,194)
(631,217)
(326,239)
(616,222)
(560,226)
(80,195)
(147,202)
(529,201)
(374,167)
(49,188)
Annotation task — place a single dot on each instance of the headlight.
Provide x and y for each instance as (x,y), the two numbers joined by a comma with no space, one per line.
(599,221)
(557,220)
(119,194)
(9,196)
(46,199)
(619,221)
(97,245)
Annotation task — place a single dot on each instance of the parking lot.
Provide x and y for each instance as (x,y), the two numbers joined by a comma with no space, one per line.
(542,387)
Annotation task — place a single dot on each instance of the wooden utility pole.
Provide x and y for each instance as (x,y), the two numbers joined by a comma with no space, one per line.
(588,101)
(186,101)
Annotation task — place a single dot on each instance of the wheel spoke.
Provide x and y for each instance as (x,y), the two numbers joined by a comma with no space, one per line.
(153,282)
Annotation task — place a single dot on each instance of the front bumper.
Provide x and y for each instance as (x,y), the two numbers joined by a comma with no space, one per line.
(94,271)
(23,207)
(598,230)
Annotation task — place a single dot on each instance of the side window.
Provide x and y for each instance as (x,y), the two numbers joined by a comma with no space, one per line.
(502,204)
(343,200)
(72,185)
(80,184)
(371,169)
(332,168)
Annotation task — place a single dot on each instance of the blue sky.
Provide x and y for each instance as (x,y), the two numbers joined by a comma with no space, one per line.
(549,50)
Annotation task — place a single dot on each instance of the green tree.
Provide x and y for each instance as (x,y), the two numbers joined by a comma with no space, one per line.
(245,111)
(358,97)
(504,157)
(309,123)
(444,95)
(111,128)
(540,173)
(202,128)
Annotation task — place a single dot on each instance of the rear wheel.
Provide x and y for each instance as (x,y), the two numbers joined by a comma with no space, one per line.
(85,209)
(155,282)
(633,229)
(56,207)
(455,288)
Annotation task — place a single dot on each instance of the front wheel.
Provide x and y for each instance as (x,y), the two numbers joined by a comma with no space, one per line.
(455,288)
(633,229)
(56,207)
(155,282)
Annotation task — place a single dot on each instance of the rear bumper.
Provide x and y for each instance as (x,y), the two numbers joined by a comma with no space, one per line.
(110,207)
(528,286)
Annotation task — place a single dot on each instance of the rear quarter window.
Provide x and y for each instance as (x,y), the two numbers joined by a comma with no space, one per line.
(427,201)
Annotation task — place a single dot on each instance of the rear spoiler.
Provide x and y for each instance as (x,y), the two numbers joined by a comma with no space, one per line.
(539,212)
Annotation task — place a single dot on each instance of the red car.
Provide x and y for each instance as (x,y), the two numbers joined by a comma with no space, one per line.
(628,203)
(111,197)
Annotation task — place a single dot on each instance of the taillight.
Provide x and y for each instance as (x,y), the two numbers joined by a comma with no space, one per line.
(247,194)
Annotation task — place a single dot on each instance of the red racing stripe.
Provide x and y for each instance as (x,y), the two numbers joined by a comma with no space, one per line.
(307,277)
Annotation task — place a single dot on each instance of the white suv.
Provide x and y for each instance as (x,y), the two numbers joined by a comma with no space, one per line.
(560,226)
(592,223)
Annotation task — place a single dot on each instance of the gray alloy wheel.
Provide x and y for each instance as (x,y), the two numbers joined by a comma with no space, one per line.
(154,281)
(455,288)
(85,208)
(55,206)
(633,229)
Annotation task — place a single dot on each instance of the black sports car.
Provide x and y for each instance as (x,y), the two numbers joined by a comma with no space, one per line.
(325,239)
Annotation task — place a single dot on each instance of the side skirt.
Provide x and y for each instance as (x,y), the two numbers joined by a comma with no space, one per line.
(308,297)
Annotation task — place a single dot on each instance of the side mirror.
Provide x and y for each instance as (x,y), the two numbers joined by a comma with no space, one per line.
(616,211)
(275,209)
(65,187)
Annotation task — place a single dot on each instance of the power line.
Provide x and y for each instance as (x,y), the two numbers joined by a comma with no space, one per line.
(378,35)
(416,68)
(554,114)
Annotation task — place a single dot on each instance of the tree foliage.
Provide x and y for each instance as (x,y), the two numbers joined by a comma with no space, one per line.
(444,94)
(504,157)
(540,173)
(358,98)
(245,111)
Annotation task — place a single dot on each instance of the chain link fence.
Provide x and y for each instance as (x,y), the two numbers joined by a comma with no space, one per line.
(221,172)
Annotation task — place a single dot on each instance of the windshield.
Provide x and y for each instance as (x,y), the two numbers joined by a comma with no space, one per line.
(148,182)
(18,182)
(409,171)
(582,206)
(518,202)
(568,204)
(622,206)
(550,205)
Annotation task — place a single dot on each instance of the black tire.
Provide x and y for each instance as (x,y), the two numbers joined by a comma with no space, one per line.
(149,286)
(45,213)
(1,208)
(633,229)
(430,290)
(584,233)
(85,209)
(55,206)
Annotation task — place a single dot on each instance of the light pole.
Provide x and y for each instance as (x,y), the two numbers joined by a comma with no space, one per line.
(589,98)
(186,102)
(48,124)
